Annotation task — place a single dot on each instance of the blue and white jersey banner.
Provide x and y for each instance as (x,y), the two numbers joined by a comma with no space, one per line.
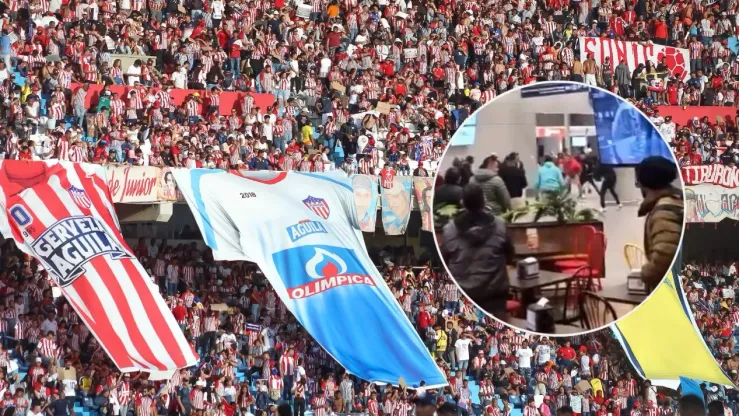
(302,230)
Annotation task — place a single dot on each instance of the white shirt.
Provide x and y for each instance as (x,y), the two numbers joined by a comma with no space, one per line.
(69,387)
(268,335)
(48,325)
(652,394)
(543,354)
(300,373)
(218,9)
(462,351)
(180,79)
(325,66)
(133,72)
(585,363)
(525,357)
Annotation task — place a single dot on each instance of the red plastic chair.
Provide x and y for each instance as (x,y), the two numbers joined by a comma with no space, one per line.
(595,263)
(580,241)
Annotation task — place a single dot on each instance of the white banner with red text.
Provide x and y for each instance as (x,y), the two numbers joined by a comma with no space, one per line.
(711,193)
(635,53)
(141,184)
(716,174)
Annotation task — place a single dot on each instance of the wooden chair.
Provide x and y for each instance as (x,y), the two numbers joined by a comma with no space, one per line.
(634,255)
(595,311)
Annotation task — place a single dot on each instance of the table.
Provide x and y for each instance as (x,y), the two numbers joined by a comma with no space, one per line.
(620,294)
(559,328)
(545,278)
(527,287)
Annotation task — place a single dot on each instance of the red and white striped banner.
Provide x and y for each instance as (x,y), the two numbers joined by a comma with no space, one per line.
(635,53)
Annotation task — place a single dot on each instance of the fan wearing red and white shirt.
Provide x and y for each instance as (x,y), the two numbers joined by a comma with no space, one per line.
(386,177)
(287,368)
(48,348)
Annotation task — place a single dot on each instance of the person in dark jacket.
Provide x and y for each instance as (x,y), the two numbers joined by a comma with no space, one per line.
(514,177)
(589,162)
(608,184)
(498,200)
(450,193)
(664,211)
(476,249)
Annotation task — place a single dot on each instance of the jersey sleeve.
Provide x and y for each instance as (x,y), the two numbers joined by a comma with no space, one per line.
(201,190)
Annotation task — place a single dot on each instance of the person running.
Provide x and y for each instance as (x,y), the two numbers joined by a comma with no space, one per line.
(608,184)
(589,161)
(549,178)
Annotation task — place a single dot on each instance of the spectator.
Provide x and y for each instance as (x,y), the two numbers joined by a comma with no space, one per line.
(497,198)
(513,174)
(476,249)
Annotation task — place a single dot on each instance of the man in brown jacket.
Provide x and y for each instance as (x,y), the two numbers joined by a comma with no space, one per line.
(663,206)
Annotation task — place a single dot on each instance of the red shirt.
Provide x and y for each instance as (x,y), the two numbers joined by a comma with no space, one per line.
(180,312)
(333,39)
(235,51)
(425,319)
(567,352)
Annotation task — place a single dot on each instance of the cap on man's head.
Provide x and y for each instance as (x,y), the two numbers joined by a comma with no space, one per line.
(656,172)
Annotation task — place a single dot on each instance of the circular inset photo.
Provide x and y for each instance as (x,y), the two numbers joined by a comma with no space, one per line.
(559,208)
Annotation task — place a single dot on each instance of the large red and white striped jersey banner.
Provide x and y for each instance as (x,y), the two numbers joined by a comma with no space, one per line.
(635,53)
(61,213)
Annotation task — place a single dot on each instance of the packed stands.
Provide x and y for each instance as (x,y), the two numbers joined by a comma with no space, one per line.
(255,355)
(271,85)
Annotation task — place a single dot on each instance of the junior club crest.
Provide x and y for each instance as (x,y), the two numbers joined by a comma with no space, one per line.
(318,206)
(80,197)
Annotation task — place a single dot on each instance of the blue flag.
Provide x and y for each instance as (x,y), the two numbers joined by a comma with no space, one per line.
(691,387)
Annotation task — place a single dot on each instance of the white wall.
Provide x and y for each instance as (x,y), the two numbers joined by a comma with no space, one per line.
(508,124)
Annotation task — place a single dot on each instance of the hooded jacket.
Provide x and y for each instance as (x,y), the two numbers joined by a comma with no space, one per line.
(476,247)
(663,226)
(549,177)
(494,189)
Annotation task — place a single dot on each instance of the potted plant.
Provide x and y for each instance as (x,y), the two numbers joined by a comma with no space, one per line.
(559,205)
(443,215)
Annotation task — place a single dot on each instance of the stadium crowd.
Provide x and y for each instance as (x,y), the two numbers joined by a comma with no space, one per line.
(701,141)
(325,63)
(257,358)
(254,353)
(711,290)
